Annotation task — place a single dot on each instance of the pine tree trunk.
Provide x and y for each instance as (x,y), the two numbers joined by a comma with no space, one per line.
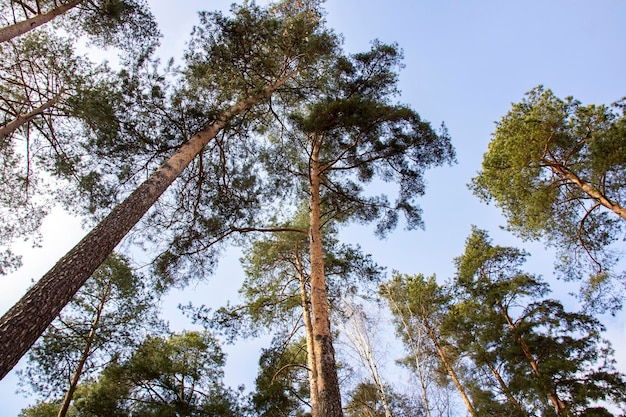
(21,120)
(446,363)
(308,328)
(556,401)
(9,32)
(328,383)
(592,192)
(28,318)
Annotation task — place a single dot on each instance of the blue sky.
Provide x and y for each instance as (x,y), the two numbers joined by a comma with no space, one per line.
(466,62)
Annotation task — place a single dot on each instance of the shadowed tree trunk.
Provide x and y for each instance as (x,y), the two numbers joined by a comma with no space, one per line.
(28,318)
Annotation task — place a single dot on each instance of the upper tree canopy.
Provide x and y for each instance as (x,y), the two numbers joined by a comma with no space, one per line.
(558,171)
(361,135)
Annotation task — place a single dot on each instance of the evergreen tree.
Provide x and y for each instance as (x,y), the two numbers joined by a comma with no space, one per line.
(107,317)
(243,60)
(537,357)
(343,136)
(120,23)
(557,169)
(176,376)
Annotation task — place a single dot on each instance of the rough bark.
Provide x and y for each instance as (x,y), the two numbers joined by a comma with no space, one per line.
(328,383)
(28,318)
(9,32)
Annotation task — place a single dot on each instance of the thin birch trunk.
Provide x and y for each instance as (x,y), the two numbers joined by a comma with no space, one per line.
(28,318)
(415,348)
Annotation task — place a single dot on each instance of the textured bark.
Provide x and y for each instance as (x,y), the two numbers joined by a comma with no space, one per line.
(20,28)
(328,383)
(308,328)
(28,318)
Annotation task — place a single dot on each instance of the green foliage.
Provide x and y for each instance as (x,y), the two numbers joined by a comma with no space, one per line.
(282,384)
(501,319)
(125,24)
(42,409)
(109,316)
(361,136)
(179,375)
(512,347)
(365,400)
(552,166)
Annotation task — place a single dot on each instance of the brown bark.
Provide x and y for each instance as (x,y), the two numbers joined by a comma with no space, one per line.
(505,389)
(67,399)
(28,318)
(21,120)
(9,32)
(328,383)
(591,191)
(308,328)
(450,370)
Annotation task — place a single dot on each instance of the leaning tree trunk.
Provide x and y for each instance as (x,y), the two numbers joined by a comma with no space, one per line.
(328,383)
(28,318)
(9,32)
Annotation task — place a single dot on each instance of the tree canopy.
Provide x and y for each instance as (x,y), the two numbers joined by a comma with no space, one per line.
(557,168)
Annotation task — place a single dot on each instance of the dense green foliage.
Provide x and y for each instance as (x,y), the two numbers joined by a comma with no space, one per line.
(178,375)
(514,351)
(557,169)
(362,136)
(111,314)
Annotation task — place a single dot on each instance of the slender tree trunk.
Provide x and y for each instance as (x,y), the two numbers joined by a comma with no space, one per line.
(417,352)
(67,399)
(591,191)
(21,120)
(20,28)
(310,354)
(558,404)
(450,370)
(506,389)
(328,383)
(363,346)
(28,318)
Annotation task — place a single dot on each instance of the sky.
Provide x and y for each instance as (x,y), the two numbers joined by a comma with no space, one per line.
(465,63)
